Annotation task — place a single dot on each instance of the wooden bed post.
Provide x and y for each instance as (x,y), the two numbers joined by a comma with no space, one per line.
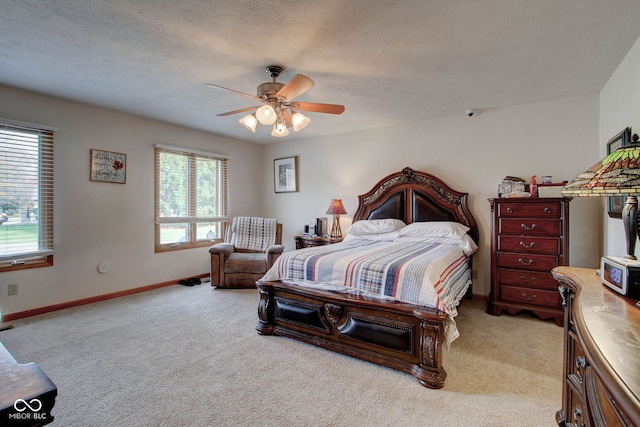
(265,311)
(432,336)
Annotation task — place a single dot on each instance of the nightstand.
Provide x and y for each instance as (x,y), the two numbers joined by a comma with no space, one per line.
(309,241)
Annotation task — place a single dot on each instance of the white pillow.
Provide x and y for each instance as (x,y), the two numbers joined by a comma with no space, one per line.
(465,242)
(375,226)
(435,229)
(389,237)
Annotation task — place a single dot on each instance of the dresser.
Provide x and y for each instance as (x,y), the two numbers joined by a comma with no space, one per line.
(601,369)
(27,395)
(306,241)
(530,236)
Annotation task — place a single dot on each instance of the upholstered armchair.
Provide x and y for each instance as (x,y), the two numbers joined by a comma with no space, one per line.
(251,246)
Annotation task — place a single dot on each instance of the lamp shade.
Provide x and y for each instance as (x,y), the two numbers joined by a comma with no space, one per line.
(279,130)
(266,115)
(336,207)
(616,174)
(250,122)
(299,121)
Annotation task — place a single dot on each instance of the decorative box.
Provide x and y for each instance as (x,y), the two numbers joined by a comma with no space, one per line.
(550,190)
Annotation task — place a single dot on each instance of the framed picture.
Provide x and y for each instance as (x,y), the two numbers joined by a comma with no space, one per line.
(107,166)
(285,174)
(616,203)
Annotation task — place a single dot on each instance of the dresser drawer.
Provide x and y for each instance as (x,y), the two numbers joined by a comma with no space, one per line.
(529,210)
(531,296)
(576,361)
(545,245)
(576,415)
(534,279)
(527,261)
(530,227)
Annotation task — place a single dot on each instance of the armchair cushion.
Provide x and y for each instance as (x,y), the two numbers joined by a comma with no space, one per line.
(244,262)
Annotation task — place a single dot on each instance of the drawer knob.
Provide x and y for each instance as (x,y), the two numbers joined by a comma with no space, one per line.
(581,364)
(577,414)
(547,210)
(525,280)
(523,262)
(528,228)
(532,298)
(509,210)
(529,246)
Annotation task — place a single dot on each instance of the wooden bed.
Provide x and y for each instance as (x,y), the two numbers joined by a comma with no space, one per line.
(398,335)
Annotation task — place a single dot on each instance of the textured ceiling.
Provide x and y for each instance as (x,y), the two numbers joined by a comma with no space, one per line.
(388,62)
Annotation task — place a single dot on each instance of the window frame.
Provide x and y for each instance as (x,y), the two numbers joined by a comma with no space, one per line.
(43,256)
(191,219)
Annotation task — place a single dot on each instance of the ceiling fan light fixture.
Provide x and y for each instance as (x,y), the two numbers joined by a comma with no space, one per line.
(278,109)
(266,115)
(299,121)
(279,130)
(250,122)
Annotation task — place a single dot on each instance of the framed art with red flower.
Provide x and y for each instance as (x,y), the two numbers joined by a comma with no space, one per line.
(107,166)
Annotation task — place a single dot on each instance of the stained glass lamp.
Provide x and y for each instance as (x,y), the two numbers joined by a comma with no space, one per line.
(616,175)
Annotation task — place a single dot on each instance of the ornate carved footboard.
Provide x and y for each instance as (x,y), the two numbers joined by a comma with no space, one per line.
(397,335)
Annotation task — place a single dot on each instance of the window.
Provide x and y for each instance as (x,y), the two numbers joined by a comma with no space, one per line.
(26,195)
(191,198)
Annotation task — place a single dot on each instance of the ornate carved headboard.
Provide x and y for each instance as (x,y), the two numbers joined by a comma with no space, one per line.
(413,196)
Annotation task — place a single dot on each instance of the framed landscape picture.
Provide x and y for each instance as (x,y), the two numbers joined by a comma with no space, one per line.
(107,166)
(285,174)
(616,203)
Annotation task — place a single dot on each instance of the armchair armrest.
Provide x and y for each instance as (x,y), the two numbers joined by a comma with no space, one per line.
(219,253)
(225,249)
(273,252)
(275,249)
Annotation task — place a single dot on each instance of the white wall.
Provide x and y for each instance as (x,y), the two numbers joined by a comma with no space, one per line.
(96,221)
(108,222)
(558,138)
(620,108)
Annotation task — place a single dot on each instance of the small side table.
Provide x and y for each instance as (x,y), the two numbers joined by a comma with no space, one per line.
(309,241)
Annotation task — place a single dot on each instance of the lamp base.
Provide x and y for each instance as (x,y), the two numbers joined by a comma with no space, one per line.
(336,231)
(629,214)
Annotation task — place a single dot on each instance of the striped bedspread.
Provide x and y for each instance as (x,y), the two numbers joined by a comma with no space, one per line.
(430,275)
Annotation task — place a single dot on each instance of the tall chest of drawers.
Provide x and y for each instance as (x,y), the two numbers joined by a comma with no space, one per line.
(529,238)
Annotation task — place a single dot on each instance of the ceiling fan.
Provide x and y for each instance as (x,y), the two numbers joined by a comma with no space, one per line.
(279,109)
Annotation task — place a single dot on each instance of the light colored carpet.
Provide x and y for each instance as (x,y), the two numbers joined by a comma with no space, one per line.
(179,356)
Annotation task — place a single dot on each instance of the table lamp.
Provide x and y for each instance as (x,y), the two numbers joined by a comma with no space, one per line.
(336,208)
(616,175)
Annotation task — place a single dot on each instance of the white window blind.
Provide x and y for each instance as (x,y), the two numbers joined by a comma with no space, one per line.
(26,195)
(191,198)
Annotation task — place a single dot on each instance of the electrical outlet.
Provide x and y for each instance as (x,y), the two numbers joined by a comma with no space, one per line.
(13,289)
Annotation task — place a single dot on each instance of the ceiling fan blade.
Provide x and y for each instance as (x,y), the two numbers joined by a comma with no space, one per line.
(299,84)
(234,91)
(242,110)
(318,108)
